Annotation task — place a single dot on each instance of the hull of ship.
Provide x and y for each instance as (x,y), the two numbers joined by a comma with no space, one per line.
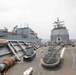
(20,38)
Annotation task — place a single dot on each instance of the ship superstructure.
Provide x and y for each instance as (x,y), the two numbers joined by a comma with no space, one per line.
(25,33)
(59,33)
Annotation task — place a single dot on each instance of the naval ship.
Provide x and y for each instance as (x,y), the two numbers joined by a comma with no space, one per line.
(59,37)
(59,33)
(56,58)
(24,33)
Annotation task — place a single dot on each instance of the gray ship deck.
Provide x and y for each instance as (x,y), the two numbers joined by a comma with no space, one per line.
(68,65)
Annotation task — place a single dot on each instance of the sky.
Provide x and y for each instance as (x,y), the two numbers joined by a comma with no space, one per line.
(39,15)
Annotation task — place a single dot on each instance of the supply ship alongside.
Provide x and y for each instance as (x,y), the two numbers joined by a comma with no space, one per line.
(58,57)
(25,33)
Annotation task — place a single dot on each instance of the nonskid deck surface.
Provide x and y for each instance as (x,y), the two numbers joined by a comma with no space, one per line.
(68,65)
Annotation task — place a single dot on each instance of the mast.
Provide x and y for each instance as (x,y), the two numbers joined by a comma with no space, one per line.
(58,23)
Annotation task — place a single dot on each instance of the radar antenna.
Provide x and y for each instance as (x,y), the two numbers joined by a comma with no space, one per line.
(58,23)
(27,25)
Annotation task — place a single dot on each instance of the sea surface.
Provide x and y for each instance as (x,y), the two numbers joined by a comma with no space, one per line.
(46,40)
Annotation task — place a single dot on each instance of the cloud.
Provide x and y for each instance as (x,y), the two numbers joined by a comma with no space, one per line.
(15,2)
(7,5)
(44,0)
(15,14)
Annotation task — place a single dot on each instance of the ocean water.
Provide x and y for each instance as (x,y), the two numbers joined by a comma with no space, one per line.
(45,40)
(73,40)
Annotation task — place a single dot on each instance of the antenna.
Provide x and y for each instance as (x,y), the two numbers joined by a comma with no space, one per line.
(24,24)
(27,25)
(21,25)
(58,23)
(58,19)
